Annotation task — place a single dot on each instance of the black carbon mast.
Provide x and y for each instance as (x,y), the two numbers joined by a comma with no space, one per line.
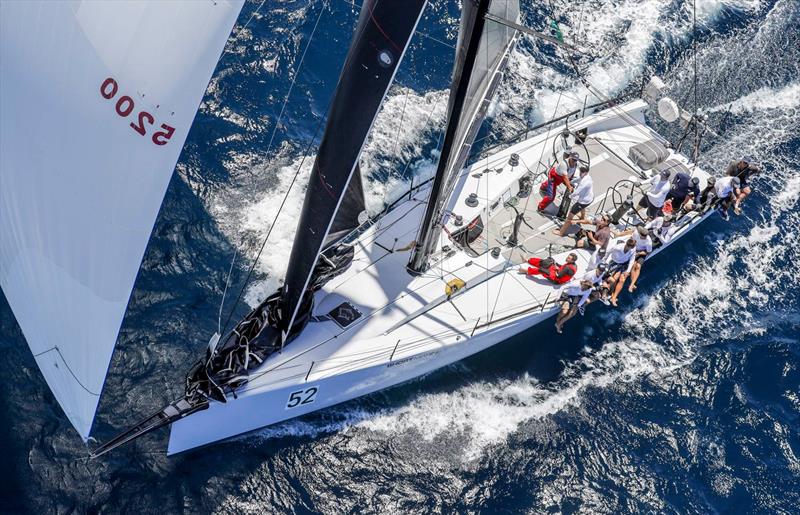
(481,53)
(383,33)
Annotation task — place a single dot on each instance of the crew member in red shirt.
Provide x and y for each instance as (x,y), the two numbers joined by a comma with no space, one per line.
(549,269)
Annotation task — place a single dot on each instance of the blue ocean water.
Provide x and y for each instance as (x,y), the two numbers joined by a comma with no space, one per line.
(686,399)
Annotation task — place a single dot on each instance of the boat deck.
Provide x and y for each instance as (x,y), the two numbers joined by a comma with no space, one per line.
(398,309)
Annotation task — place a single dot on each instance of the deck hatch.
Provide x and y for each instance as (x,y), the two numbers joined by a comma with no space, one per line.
(344,314)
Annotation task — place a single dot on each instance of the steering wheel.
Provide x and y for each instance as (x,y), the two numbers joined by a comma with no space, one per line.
(620,192)
(566,140)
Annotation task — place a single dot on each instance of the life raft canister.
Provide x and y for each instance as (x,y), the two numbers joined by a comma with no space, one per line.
(453,286)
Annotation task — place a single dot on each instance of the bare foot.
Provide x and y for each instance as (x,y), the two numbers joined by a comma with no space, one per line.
(613,301)
(632,288)
(558,329)
(557,232)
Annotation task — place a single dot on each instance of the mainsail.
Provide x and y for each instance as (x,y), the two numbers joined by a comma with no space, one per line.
(481,54)
(96,100)
(381,37)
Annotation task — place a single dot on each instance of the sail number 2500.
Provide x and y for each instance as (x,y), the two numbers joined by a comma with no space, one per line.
(143,120)
(301,397)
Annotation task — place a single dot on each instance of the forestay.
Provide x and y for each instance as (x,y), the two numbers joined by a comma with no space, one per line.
(481,54)
(96,100)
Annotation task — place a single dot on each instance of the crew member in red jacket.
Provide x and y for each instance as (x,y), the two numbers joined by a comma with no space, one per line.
(559,174)
(548,268)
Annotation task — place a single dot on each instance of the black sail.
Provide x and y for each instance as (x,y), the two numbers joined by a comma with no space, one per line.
(383,32)
(481,55)
(351,207)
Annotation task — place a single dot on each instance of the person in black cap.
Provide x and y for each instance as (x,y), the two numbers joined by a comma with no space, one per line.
(744,168)
(684,189)
(582,196)
(708,195)
(727,191)
(558,175)
(599,281)
(573,296)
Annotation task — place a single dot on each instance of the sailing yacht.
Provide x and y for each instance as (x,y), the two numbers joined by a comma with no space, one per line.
(367,302)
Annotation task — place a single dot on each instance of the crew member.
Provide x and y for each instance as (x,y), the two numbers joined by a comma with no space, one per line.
(743,169)
(684,189)
(582,196)
(548,268)
(598,279)
(661,228)
(559,174)
(708,195)
(644,246)
(573,295)
(654,199)
(597,239)
(620,259)
(727,191)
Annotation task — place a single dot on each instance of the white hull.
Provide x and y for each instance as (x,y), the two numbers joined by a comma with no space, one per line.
(407,326)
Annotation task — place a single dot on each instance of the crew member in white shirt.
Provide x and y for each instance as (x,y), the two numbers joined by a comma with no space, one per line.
(619,260)
(654,199)
(644,246)
(598,279)
(574,295)
(662,227)
(582,196)
(727,190)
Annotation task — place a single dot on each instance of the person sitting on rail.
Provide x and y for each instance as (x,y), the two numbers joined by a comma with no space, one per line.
(743,169)
(644,246)
(582,196)
(708,196)
(598,279)
(619,260)
(573,296)
(684,189)
(727,191)
(548,268)
(561,173)
(654,199)
(661,228)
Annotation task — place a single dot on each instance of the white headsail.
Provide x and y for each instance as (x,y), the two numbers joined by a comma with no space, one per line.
(96,100)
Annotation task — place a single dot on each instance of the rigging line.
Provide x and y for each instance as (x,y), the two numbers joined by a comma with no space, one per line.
(294,80)
(274,221)
(696,151)
(269,147)
(596,92)
(225,291)
(253,15)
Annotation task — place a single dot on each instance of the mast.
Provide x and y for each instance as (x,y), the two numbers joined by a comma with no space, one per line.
(480,54)
(382,35)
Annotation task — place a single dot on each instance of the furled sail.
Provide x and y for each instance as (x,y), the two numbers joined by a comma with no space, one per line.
(383,32)
(96,100)
(481,54)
